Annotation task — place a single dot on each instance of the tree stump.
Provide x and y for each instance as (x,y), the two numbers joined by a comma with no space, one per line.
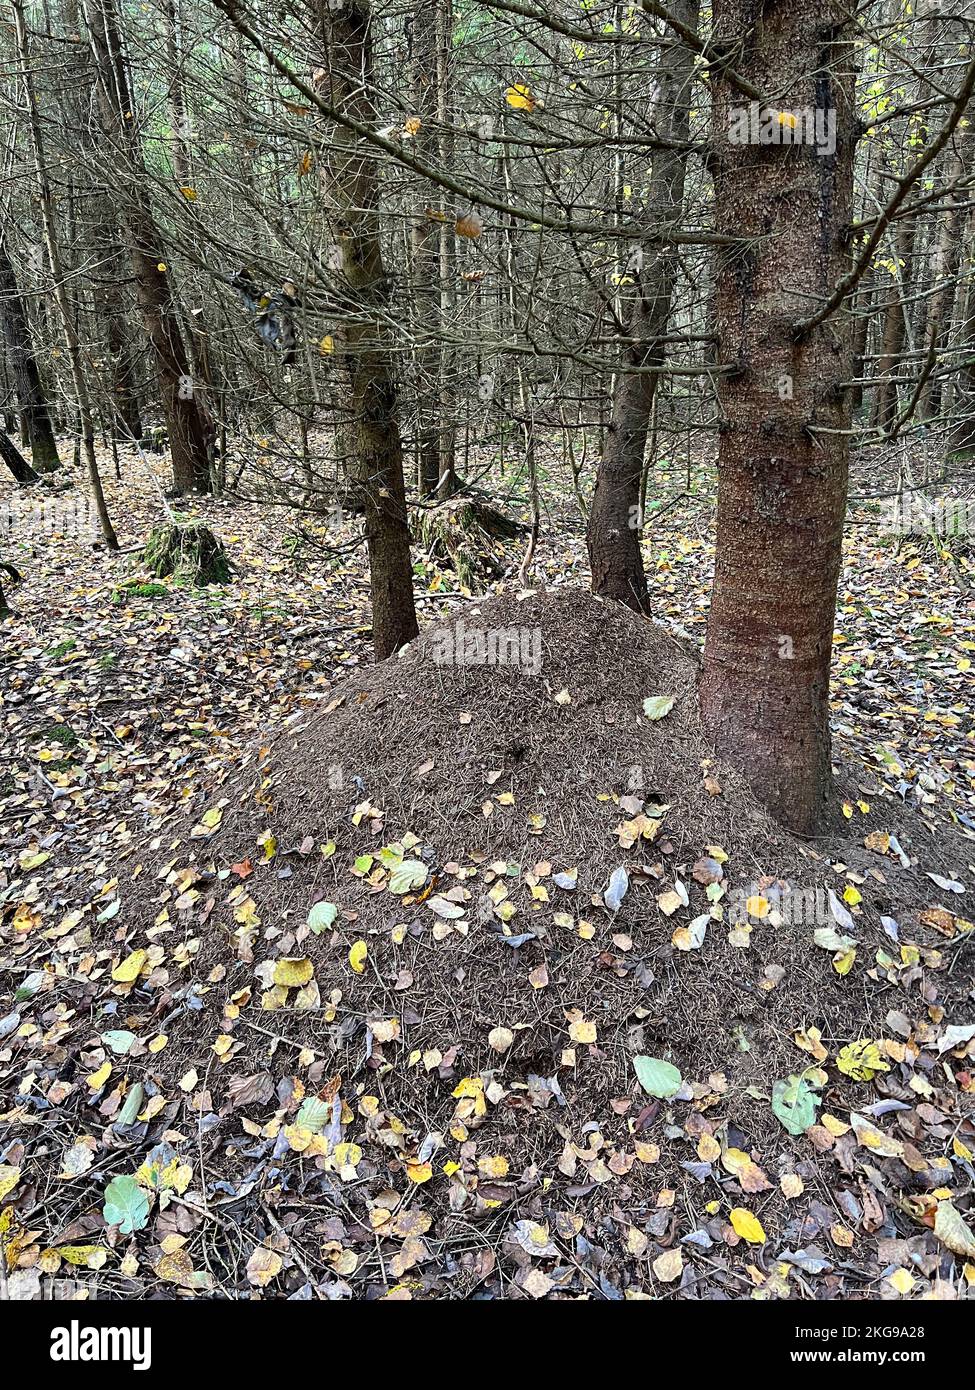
(465,534)
(189,551)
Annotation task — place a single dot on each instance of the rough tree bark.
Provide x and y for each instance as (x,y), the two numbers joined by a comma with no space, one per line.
(110,301)
(782,469)
(187,421)
(351,188)
(614,529)
(58,290)
(31,401)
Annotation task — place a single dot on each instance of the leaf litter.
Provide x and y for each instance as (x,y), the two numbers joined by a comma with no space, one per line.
(326,1026)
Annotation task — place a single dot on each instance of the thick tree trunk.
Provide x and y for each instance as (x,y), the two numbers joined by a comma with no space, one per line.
(187,421)
(31,400)
(783,452)
(15,461)
(351,189)
(615,524)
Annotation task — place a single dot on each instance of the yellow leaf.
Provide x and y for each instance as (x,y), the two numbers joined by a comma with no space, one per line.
(581,1030)
(161,267)
(188,193)
(520,98)
(9,1178)
(747,1226)
(293,971)
(902,1281)
(467,1088)
(130,968)
(304,164)
(98,1078)
(82,1255)
(418,1172)
(748,1173)
(493,1166)
(357,956)
(861,1060)
(850,895)
(757,906)
(843,960)
(326,345)
(708,1148)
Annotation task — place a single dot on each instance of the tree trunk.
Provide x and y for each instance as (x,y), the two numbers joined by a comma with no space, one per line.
(944,269)
(895,327)
(963,424)
(16,462)
(31,400)
(187,421)
(425,232)
(58,280)
(782,472)
(615,525)
(351,188)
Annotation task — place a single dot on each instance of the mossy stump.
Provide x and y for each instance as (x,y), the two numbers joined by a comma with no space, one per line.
(466,535)
(189,551)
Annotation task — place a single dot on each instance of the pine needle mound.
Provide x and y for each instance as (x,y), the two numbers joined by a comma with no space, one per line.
(400,966)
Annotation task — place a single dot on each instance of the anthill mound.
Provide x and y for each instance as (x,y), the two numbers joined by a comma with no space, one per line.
(422,934)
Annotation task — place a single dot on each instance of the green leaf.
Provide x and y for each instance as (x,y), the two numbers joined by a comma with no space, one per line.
(133,1104)
(322,916)
(658,1078)
(314,1114)
(408,875)
(126,1205)
(656,706)
(119,1040)
(794,1103)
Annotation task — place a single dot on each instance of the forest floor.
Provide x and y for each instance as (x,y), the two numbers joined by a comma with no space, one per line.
(448,980)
